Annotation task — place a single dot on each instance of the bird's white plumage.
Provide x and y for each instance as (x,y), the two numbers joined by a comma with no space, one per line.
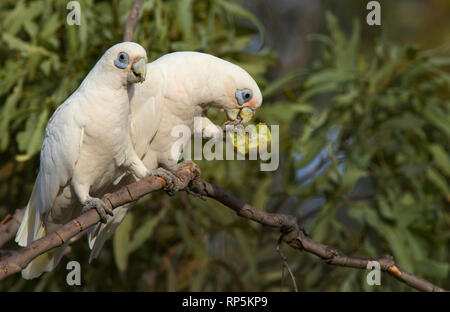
(87,144)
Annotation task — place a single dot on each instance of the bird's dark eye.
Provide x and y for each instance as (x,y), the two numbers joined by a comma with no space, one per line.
(122,60)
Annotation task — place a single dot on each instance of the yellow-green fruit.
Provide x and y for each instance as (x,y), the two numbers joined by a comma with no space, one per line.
(246,114)
(233,113)
(249,139)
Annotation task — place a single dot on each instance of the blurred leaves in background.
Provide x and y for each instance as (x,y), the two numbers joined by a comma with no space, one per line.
(364,143)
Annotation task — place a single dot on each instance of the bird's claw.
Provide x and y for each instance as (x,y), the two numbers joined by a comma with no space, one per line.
(97,204)
(191,166)
(194,168)
(171,185)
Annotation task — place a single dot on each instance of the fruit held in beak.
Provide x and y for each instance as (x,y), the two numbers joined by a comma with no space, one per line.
(233,113)
(246,114)
(245,142)
(243,115)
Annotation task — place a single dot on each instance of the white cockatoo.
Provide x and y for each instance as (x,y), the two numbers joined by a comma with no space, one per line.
(181,86)
(87,144)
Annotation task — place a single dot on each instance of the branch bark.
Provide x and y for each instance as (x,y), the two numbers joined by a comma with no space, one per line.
(131,20)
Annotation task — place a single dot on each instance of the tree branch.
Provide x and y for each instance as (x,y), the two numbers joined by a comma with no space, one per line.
(131,20)
(294,236)
(188,178)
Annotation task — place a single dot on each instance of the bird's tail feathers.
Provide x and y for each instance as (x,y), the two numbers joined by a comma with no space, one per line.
(32,228)
(31,223)
(44,263)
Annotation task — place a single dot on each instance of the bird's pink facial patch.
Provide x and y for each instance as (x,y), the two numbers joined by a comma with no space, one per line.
(132,60)
(250,104)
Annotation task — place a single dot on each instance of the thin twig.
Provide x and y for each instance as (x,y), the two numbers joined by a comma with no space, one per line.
(131,20)
(286,264)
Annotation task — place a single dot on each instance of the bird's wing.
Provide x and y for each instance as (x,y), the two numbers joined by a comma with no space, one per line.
(60,151)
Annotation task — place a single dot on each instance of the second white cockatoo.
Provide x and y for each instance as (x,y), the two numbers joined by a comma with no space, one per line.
(180,86)
(87,144)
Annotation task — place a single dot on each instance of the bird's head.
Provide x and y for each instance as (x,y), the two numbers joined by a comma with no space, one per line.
(240,95)
(127,60)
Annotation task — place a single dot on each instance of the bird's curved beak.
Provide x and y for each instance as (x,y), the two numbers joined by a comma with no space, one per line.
(138,71)
(244,114)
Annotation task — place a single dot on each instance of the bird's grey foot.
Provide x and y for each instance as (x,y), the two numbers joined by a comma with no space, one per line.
(171,185)
(97,204)
(193,167)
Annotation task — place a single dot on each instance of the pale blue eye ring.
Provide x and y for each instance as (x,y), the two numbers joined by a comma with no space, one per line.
(122,60)
(243,96)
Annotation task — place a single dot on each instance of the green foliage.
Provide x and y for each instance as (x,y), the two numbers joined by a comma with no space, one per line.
(389,166)
(383,189)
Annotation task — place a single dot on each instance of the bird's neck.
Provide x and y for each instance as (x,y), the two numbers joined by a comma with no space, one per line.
(104,93)
(201,91)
